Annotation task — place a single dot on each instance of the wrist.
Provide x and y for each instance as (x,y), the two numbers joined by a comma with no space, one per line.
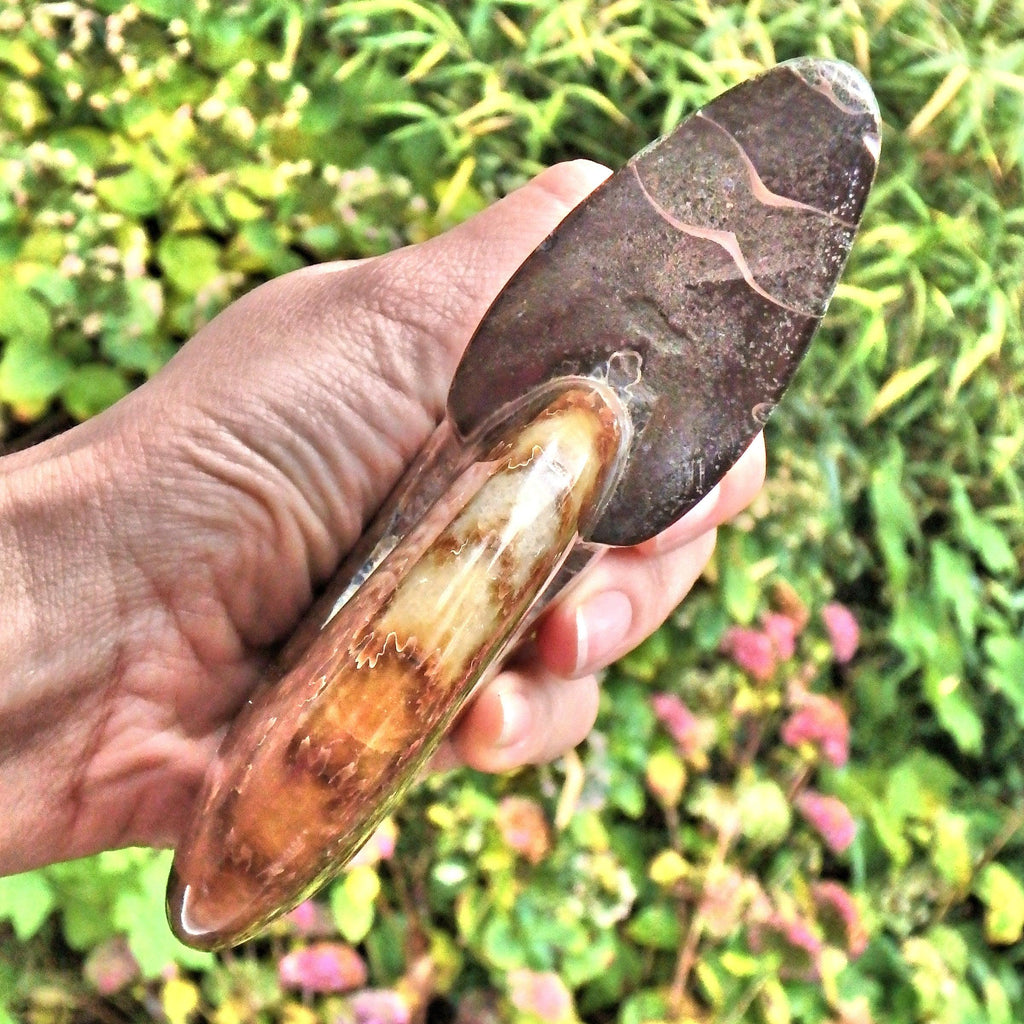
(58,641)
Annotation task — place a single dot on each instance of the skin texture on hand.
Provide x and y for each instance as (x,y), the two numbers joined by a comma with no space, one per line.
(152,558)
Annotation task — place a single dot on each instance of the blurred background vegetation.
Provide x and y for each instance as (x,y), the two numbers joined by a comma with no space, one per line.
(805,796)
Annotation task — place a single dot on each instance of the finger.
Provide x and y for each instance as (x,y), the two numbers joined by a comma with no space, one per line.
(478,257)
(733,493)
(623,599)
(330,379)
(524,716)
(401,320)
(631,591)
(618,604)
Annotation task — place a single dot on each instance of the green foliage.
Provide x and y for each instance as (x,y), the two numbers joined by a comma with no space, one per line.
(160,158)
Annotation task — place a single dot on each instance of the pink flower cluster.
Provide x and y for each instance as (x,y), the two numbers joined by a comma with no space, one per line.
(680,722)
(840,918)
(829,817)
(794,939)
(843,631)
(380,1006)
(752,650)
(322,967)
(111,966)
(312,920)
(380,846)
(833,920)
(821,721)
(541,994)
(759,651)
(524,827)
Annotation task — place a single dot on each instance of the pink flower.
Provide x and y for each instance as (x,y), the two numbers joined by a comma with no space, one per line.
(821,721)
(111,966)
(524,828)
(311,920)
(782,631)
(322,967)
(678,719)
(829,817)
(840,917)
(380,846)
(380,1006)
(792,938)
(843,631)
(727,894)
(752,650)
(542,994)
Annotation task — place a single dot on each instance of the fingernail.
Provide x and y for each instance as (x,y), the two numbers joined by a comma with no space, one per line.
(515,717)
(601,626)
(705,508)
(695,522)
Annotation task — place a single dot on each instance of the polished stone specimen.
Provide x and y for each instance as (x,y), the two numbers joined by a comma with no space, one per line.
(625,367)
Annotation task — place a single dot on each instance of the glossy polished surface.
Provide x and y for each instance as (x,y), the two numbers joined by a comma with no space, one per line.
(317,760)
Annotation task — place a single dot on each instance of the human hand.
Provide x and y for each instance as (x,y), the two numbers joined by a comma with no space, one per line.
(152,558)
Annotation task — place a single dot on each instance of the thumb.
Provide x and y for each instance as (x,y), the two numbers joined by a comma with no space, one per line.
(477,258)
(409,313)
(322,384)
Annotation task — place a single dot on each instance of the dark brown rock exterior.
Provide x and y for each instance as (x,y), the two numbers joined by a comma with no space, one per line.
(712,256)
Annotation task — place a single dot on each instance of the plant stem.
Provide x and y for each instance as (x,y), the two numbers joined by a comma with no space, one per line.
(688,950)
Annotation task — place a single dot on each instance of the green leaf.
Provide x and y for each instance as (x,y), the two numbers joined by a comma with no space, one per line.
(91,389)
(764,813)
(22,106)
(240,207)
(49,283)
(26,901)
(134,192)
(1003,896)
(23,318)
(644,661)
(984,537)
(17,52)
(189,261)
(1005,670)
(89,145)
(646,1007)
(589,961)
(956,585)
(740,589)
(502,946)
(31,374)
(84,924)
(353,900)
(656,926)
(997,1003)
(951,850)
(895,523)
(165,10)
(900,384)
(955,709)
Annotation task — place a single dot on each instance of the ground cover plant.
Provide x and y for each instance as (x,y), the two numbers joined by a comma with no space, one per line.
(805,796)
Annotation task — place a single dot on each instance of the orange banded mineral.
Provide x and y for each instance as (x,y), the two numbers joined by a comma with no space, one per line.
(317,759)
